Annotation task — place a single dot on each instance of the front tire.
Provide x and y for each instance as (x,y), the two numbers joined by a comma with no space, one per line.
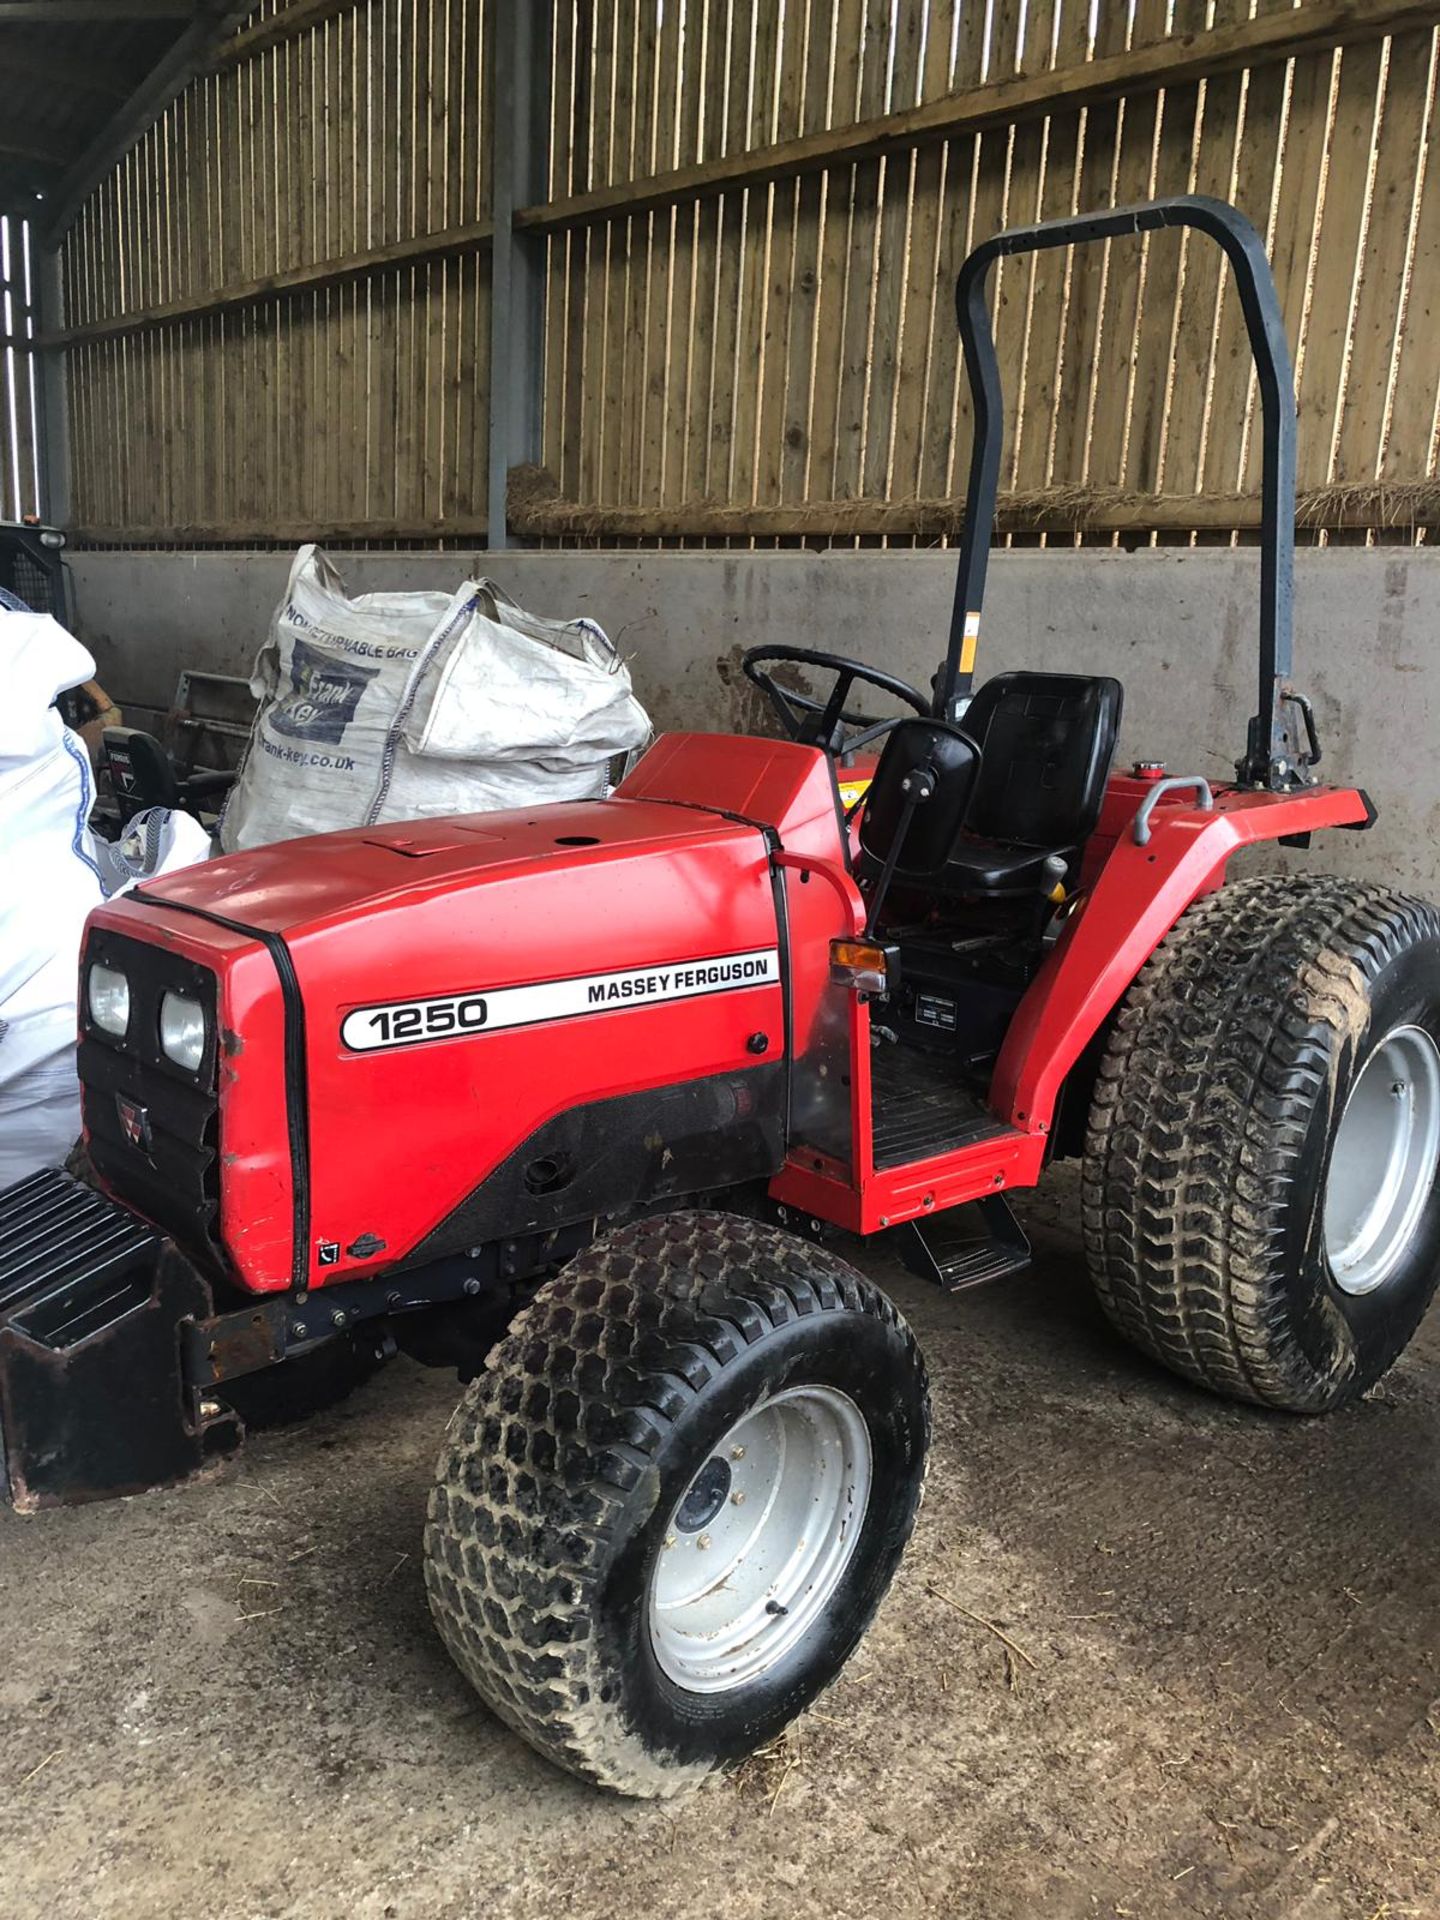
(588,1562)
(1260,1200)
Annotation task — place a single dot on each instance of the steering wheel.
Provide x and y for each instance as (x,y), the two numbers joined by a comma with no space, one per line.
(823,723)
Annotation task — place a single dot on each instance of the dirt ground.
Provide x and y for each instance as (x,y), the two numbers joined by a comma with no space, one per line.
(1223,1698)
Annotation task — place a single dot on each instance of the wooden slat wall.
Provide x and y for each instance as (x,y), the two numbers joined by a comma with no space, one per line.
(796,342)
(21,478)
(357,406)
(771,360)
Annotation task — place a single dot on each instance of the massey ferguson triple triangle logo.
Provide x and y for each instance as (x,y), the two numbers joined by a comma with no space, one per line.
(134,1122)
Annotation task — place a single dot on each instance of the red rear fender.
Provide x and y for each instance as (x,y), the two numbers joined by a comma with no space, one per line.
(1137,896)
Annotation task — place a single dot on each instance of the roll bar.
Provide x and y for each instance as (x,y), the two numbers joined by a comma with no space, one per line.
(1273,755)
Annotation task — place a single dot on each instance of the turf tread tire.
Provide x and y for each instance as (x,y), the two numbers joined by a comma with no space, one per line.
(1231,1036)
(560,1435)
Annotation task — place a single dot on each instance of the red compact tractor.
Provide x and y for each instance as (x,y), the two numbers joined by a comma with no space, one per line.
(611,1073)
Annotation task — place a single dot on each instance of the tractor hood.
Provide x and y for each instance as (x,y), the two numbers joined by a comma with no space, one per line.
(427,1037)
(412,1020)
(299,887)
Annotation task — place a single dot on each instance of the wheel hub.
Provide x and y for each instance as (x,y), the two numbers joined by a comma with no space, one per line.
(704,1497)
(1384,1161)
(760,1539)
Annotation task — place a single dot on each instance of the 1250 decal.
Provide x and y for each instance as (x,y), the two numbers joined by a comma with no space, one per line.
(415,1020)
(403,1023)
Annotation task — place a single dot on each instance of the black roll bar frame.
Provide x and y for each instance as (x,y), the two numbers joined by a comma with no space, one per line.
(1274,756)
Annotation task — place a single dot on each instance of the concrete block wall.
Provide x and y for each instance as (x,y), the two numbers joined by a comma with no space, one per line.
(1176,626)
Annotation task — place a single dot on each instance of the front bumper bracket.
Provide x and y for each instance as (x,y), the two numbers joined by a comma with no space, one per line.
(94,1399)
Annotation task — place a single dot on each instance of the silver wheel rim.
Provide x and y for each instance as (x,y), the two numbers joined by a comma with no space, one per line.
(760,1539)
(1384,1161)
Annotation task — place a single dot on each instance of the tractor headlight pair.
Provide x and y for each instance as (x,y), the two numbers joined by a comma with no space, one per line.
(182,1020)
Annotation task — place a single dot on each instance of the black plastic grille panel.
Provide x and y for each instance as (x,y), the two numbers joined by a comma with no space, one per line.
(172,1174)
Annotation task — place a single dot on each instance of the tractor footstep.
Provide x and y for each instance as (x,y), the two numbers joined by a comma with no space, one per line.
(966,1246)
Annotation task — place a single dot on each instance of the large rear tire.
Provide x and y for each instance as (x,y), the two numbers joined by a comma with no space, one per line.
(666,1513)
(1260,1200)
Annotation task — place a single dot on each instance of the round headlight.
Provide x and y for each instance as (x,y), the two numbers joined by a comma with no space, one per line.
(108,994)
(182,1031)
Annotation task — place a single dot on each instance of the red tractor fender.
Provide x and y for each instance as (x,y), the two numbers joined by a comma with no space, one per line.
(1140,892)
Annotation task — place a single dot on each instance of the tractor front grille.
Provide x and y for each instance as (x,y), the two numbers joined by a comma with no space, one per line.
(153,1130)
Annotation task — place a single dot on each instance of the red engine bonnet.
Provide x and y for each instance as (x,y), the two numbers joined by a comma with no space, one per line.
(373,918)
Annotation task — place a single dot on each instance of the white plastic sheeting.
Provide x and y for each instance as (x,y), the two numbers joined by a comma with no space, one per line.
(395,706)
(49,881)
(52,872)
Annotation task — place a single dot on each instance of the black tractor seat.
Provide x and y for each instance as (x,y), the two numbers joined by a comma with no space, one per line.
(142,774)
(980,866)
(1015,789)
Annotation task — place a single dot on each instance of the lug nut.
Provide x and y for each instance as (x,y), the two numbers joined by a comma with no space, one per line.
(737,1499)
(703,1542)
(669,1541)
(737,1453)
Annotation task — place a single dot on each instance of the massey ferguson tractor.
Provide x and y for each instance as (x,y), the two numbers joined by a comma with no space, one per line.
(612,1074)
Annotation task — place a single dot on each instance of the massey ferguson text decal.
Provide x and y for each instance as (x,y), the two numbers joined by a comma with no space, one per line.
(402,1023)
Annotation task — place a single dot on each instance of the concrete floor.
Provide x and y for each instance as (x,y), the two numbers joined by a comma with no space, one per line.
(228,1701)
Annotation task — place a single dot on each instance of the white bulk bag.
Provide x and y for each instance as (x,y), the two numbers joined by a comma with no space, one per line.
(49,881)
(533,708)
(158,840)
(329,680)
(396,706)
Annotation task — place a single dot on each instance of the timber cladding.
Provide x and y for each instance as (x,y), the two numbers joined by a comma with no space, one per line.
(278,307)
(301,236)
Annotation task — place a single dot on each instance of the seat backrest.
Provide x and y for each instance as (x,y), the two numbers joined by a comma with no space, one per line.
(141,772)
(953,762)
(1046,741)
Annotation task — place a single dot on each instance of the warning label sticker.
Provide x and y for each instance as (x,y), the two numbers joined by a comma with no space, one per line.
(935,1010)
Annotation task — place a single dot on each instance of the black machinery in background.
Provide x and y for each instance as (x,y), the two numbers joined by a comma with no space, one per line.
(32,567)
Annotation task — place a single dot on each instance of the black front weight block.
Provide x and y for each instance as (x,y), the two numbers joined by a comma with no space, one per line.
(94,1399)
